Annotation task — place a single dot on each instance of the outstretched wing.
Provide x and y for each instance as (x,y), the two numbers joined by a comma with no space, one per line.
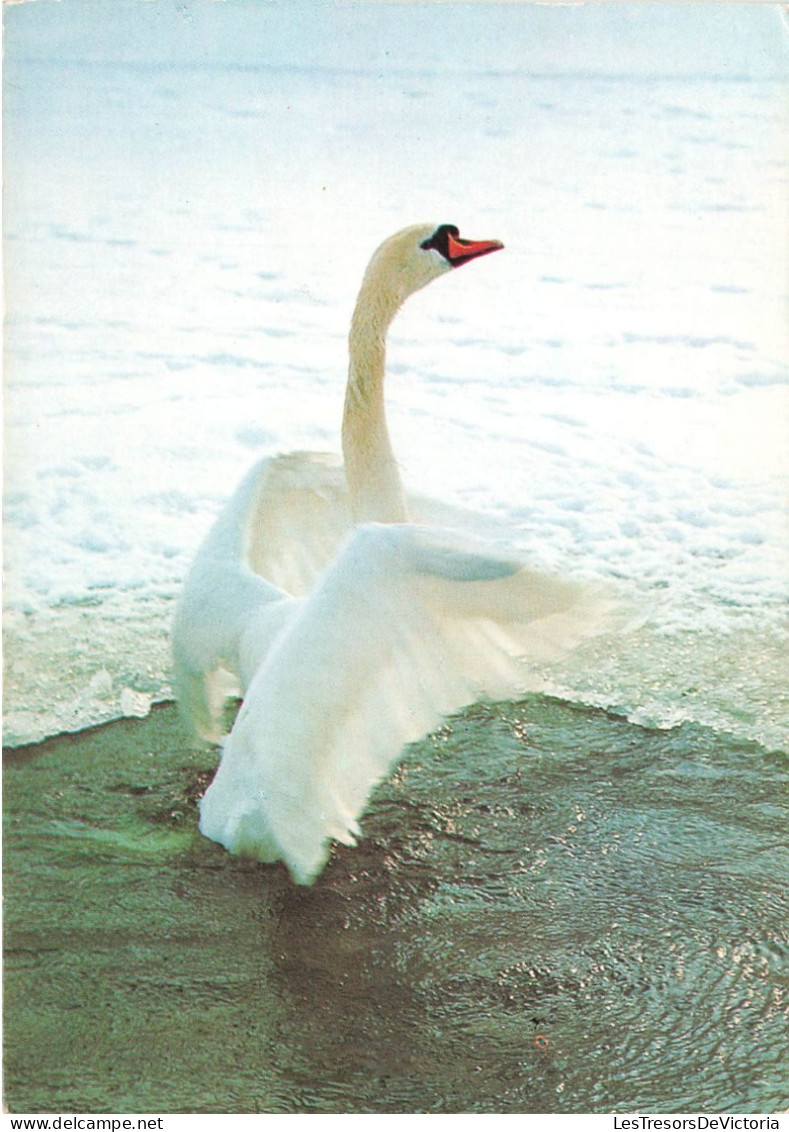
(273,538)
(407,626)
(298,518)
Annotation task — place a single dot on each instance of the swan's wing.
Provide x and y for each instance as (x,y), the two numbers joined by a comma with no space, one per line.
(272,539)
(298,518)
(284,524)
(299,515)
(407,626)
(218,604)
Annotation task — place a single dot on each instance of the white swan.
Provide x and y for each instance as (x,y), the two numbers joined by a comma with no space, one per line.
(370,627)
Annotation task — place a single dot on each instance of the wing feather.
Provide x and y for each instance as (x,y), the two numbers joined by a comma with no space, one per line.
(408,625)
(272,539)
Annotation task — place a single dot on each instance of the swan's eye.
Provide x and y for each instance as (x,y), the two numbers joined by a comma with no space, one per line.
(440,239)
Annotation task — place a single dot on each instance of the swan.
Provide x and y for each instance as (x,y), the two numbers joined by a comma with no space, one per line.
(352,620)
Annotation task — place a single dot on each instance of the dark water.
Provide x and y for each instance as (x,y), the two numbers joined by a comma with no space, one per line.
(552,911)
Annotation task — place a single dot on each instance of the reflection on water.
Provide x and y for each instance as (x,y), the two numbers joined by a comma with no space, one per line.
(552,910)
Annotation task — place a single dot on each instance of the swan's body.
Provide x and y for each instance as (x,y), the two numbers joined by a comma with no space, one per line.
(351,629)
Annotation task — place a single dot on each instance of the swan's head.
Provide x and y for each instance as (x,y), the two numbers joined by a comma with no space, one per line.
(412,258)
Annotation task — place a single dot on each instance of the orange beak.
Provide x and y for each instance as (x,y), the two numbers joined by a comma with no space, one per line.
(461,251)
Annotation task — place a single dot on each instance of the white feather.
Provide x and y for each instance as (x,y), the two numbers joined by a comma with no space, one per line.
(363,637)
(408,625)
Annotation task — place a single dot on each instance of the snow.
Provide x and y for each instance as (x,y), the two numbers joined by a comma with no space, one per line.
(193,192)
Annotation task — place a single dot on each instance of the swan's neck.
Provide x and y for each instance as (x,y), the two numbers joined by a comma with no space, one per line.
(370,467)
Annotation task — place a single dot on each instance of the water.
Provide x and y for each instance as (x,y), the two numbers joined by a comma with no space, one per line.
(193,200)
(551,910)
